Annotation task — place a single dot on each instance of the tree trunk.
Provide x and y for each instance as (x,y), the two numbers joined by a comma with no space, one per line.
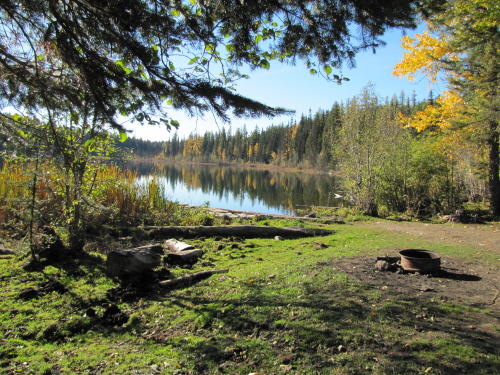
(244,231)
(491,56)
(493,168)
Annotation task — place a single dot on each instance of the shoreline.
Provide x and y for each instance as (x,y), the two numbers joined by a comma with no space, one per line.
(257,166)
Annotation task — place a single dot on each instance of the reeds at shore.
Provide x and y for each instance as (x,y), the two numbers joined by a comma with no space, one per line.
(110,196)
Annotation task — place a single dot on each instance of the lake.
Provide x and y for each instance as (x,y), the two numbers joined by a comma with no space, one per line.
(241,188)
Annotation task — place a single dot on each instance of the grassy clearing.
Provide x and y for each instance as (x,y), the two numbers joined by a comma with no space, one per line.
(281,309)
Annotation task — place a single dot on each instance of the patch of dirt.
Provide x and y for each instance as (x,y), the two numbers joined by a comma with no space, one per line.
(479,236)
(459,282)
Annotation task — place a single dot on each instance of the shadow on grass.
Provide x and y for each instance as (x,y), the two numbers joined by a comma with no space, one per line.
(83,309)
(323,325)
(336,326)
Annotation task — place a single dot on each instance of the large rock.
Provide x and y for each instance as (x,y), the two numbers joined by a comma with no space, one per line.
(134,261)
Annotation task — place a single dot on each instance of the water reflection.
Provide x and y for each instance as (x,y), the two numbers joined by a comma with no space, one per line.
(241,188)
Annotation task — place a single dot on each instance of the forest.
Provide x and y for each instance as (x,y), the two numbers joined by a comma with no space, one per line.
(385,166)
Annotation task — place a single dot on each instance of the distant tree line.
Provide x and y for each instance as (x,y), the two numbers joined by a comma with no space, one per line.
(310,142)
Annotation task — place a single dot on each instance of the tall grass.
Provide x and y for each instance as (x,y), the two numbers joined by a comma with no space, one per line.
(112,197)
(134,203)
(16,189)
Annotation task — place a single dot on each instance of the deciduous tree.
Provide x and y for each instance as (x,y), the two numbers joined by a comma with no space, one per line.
(464,48)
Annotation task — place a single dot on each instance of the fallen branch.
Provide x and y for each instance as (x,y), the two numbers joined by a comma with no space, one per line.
(243,231)
(189,279)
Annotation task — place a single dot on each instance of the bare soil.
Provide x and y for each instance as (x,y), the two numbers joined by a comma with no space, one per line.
(480,236)
(462,282)
(468,282)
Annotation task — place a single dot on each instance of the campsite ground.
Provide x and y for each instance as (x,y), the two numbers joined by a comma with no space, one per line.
(298,306)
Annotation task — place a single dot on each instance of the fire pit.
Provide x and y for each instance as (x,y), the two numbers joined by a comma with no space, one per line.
(422,261)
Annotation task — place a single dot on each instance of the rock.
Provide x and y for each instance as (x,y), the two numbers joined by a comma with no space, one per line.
(382,266)
(461,216)
(134,261)
(278,238)
(319,246)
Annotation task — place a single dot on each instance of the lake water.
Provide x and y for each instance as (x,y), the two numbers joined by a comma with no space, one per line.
(246,189)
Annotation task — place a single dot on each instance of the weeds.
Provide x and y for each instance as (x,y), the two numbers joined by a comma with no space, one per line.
(112,197)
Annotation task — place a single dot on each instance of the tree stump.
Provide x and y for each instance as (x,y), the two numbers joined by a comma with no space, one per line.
(181,253)
(134,261)
(187,257)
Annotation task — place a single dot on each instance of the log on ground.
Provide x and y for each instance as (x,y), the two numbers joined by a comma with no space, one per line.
(187,280)
(243,231)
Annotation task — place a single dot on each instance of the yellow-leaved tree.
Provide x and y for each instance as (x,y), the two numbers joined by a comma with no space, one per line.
(463,46)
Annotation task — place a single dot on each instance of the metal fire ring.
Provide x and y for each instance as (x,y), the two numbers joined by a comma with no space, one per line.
(423,261)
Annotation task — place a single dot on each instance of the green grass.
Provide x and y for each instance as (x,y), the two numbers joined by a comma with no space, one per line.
(281,309)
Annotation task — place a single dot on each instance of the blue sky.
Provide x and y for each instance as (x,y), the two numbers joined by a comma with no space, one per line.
(292,87)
